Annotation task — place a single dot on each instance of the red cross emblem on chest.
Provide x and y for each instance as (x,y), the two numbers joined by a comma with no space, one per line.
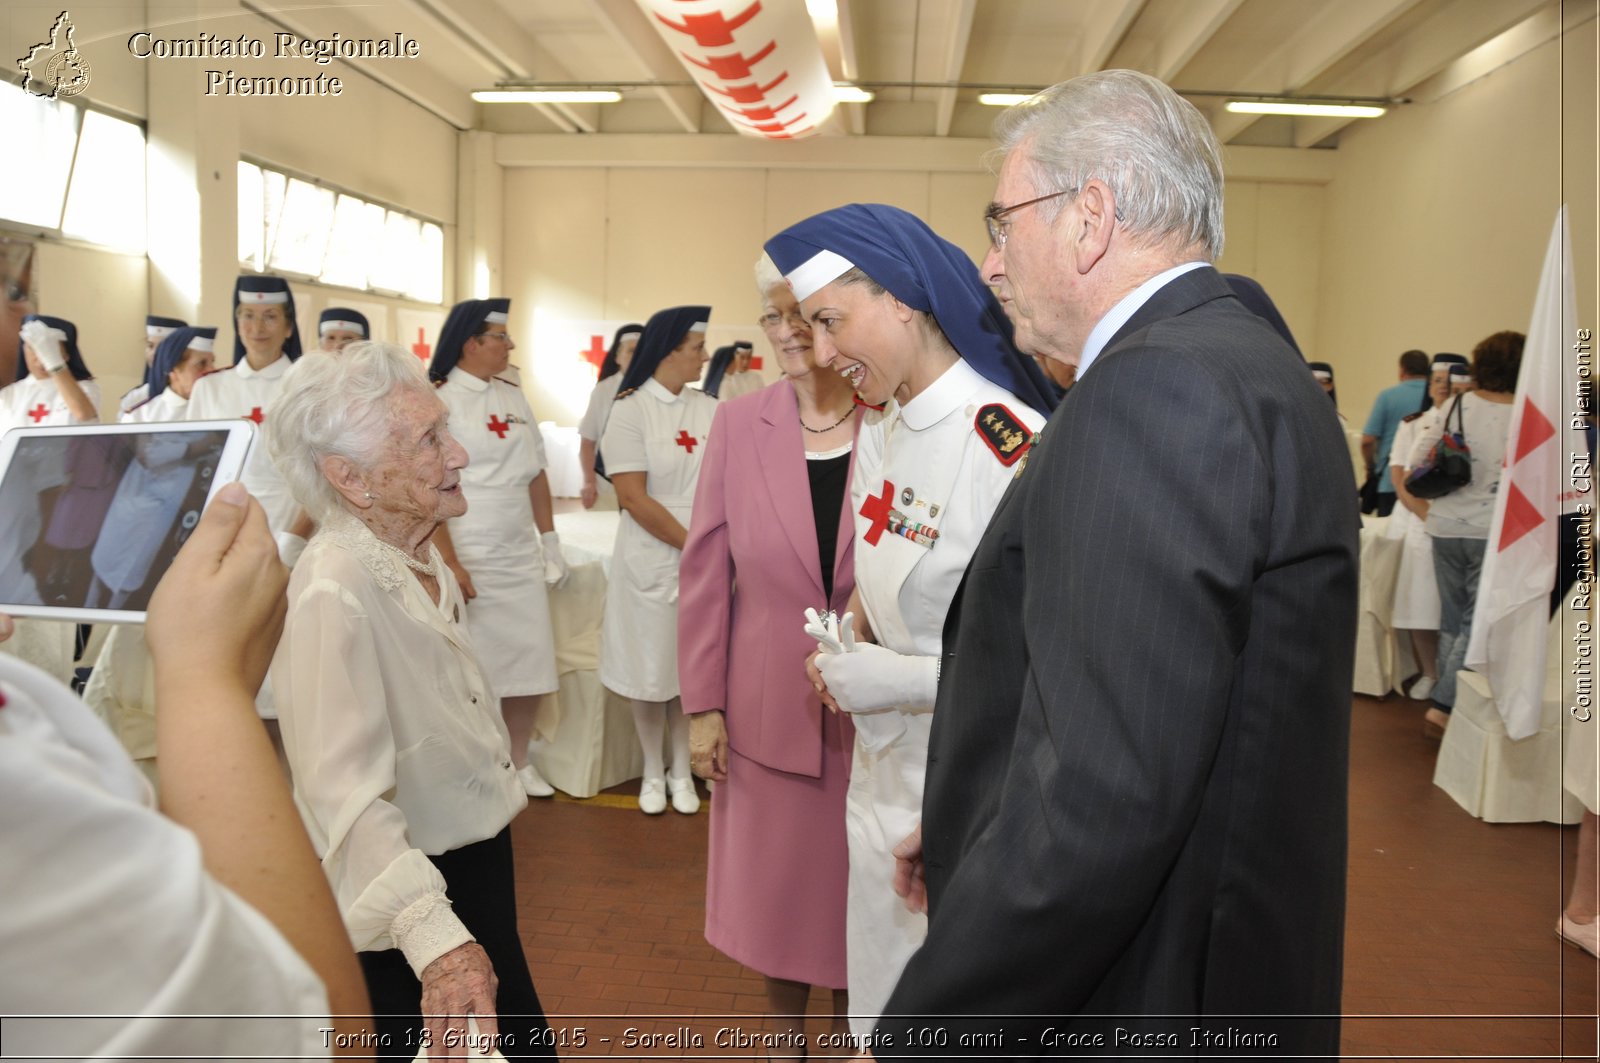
(39,412)
(876,509)
(255,415)
(497,426)
(686,441)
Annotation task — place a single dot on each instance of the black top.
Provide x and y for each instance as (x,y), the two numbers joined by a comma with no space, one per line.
(829,477)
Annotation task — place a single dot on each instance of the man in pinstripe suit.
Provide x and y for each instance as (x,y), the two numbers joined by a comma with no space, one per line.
(1134,823)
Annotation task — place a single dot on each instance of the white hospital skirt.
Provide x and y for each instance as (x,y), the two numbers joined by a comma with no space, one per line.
(509,621)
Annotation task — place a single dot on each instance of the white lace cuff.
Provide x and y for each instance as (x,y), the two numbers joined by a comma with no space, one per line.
(426,929)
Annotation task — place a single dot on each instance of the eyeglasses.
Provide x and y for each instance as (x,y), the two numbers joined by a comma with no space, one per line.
(992,216)
(503,337)
(772,319)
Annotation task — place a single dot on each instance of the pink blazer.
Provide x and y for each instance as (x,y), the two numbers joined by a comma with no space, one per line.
(749,570)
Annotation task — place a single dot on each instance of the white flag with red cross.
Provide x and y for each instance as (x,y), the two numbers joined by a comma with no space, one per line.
(1512,617)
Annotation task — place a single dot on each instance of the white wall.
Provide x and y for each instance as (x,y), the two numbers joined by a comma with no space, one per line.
(619,241)
(1438,216)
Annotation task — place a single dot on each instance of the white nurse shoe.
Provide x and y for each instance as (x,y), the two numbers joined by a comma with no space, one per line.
(533,783)
(684,799)
(653,796)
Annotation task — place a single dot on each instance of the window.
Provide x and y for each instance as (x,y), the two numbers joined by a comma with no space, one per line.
(73,170)
(106,201)
(304,227)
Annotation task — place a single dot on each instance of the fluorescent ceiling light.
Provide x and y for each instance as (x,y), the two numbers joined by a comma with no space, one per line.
(1003,99)
(548,96)
(823,10)
(851,94)
(1310,110)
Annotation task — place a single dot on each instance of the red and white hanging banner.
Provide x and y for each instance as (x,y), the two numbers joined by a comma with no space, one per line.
(759,61)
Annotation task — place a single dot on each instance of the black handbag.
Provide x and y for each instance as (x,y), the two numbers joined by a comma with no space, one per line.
(1449,463)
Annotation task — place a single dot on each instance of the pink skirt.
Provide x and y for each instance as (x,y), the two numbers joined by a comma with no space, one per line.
(775,887)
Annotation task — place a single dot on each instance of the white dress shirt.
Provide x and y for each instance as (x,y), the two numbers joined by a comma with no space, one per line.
(109,910)
(396,745)
(1126,307)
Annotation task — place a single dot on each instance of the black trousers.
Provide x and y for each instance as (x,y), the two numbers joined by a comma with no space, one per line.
(481,883)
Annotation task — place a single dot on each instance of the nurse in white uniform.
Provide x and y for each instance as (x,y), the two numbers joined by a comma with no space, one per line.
(504,550)
(904,316)
(53,386)
(339,326)
(1416,593)
(156,329)
(718,371)
(266,343)
(593,425)
(184,356)
(741,379)
(652,448)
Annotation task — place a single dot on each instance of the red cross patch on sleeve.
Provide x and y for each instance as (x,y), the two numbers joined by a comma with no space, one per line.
(1003,432)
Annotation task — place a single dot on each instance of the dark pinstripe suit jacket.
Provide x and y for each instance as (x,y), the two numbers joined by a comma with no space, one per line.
(1135,802)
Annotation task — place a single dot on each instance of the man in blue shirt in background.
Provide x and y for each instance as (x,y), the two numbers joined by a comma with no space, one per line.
(1401,400)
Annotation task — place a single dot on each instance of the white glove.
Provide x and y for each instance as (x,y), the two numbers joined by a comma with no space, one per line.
(555,566)
(833,635)
(289,547)
(46,343)
(872,678)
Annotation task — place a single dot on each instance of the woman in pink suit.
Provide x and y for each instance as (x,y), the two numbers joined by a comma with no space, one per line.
(770,537)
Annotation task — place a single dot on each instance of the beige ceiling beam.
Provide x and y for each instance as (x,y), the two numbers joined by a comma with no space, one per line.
(1104,29)
(1326,37)
(1196,23)
(855,114)
(502,49)
(418,82)
(1434,45)
(954,27)
(895,154)
(629,27)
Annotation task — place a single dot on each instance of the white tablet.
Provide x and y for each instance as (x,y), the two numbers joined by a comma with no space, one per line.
(92,515)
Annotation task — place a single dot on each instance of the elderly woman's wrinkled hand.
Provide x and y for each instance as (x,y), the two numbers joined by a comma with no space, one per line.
(708,745)
(462,982)
(220,607)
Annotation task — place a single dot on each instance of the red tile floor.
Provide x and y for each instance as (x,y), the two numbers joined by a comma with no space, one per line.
(1450,950)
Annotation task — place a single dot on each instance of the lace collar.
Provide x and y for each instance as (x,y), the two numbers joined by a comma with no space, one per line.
(377,556)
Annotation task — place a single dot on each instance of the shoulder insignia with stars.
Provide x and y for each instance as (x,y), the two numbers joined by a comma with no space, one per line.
(624,394)
(1413,416)
(1003,432)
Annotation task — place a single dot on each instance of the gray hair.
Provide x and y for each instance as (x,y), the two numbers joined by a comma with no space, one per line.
(767,274)
(1154,150)
(336,404)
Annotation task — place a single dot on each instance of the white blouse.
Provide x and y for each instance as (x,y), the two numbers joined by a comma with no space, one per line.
(31,402)
(167,406)
(396,746)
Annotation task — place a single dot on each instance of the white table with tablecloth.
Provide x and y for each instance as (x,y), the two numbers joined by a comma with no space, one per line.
(595,745)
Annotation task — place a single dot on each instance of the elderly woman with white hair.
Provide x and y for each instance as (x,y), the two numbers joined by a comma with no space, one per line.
(401,761)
